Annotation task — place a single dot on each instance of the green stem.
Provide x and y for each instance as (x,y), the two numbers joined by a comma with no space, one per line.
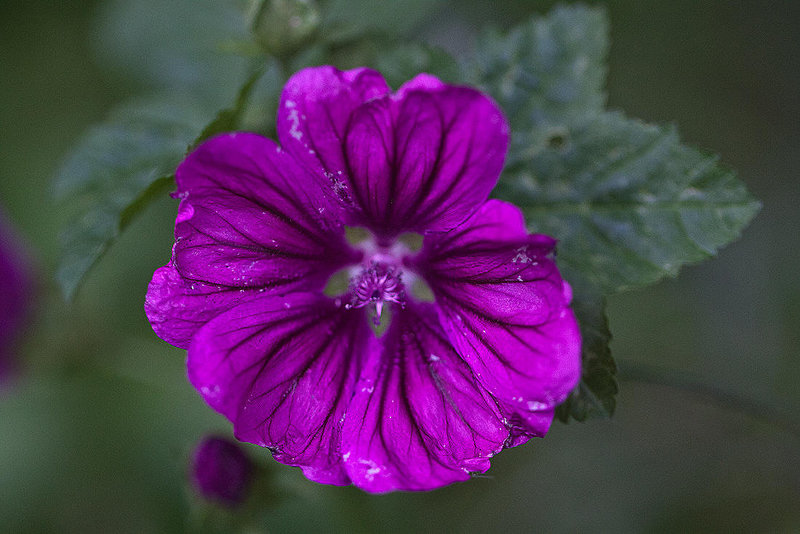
(758,409)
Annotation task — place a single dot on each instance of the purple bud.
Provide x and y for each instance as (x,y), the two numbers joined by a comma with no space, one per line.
(221,471)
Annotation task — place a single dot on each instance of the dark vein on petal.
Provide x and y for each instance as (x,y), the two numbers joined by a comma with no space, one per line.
(271,209)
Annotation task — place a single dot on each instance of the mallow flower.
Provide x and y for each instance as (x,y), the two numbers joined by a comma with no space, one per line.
(264,230)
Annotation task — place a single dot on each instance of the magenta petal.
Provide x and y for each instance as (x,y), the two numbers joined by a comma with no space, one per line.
(315,108)
(524,423)
(418,419)
(506,309)
(177,308)
(425,158)
(282,369)
(251,217)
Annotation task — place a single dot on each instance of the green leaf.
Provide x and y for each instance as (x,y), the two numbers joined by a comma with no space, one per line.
(628,203)
(110,168)
(548,70)
(595,394)
(122,166)
(156,189)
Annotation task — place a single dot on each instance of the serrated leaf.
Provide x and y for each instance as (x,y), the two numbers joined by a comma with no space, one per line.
(546,72)
(595,394)
(628,203)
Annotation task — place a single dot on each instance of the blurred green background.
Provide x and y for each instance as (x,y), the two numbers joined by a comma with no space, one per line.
(96,434)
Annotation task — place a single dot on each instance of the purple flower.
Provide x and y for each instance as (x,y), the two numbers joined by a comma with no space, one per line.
(260,232)
(15,294)
(221,471)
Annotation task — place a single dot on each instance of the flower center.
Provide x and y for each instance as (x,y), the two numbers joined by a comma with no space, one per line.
(375,285)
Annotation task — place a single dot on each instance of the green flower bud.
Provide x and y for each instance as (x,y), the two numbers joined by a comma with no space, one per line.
(281,27)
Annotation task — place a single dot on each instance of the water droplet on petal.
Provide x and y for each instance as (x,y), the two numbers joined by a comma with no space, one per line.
(535,406)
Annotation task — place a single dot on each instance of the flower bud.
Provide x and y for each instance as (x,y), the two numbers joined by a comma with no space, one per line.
(283,26)
(221,471)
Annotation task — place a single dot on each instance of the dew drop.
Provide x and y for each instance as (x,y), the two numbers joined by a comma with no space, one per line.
(535,406)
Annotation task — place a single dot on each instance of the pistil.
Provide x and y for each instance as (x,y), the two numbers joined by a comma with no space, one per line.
(375,285)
